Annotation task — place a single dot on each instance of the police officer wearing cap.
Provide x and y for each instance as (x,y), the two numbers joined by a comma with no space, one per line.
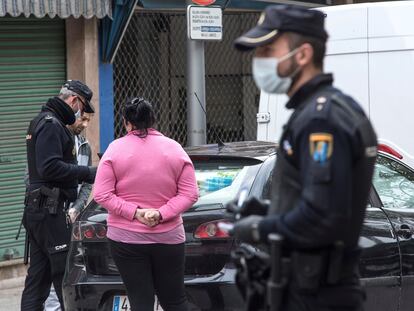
(54,176)
(324,166)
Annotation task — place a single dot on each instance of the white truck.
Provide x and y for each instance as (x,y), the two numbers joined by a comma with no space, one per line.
(370,51)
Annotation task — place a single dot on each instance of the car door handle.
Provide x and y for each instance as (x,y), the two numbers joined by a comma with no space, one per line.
(405,231)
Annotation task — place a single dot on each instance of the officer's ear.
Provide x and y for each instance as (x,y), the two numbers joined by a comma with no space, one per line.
(73,101)
(305,55)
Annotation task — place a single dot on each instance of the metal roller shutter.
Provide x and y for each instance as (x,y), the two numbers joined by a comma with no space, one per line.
(32,68)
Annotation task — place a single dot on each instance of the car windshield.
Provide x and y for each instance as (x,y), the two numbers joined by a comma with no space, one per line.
(394,183)
(219,180)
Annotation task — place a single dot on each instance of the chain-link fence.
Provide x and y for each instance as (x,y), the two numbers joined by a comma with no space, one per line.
(151,62)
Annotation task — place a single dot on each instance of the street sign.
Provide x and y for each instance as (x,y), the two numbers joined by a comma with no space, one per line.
(204,2)
(204,23)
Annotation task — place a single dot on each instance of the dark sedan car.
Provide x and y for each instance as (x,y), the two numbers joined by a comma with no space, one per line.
(92,281)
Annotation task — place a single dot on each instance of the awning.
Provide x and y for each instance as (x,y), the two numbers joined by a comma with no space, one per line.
(112,30)
(60,8)
(230,4)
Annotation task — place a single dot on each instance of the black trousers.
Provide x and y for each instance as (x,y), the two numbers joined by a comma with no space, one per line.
(49,237)
(148,269)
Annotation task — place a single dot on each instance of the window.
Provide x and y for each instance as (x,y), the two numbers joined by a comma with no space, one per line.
(394,183)
(220,180)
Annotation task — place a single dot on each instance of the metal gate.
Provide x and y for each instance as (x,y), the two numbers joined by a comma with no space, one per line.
(151,62)
(32,68)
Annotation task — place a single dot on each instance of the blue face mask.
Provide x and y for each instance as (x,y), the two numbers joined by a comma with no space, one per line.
(266,77)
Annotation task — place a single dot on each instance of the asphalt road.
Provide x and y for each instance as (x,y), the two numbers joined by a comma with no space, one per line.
(11,293)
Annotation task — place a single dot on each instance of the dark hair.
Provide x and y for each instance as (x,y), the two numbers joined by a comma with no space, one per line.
(140,114)
(319,46)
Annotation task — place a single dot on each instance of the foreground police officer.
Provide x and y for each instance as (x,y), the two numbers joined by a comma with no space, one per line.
(324,166)
(53,181)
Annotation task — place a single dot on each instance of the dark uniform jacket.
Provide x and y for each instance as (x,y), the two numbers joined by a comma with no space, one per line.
(324,169)
(51,152)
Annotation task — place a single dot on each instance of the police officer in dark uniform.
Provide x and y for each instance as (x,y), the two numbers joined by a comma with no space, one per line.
(324,165)
(54,177)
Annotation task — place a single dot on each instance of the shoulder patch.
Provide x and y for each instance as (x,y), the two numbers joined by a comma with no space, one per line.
(48,118)
(321,146)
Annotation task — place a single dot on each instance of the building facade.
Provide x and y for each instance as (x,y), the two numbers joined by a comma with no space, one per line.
(40,47)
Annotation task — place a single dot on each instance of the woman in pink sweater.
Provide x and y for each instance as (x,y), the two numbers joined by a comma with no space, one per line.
(146,181)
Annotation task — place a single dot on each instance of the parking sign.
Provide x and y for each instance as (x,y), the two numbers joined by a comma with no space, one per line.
(204,23)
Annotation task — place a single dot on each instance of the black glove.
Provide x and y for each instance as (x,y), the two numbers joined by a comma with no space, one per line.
(92,173)
(247,229)
(251,206)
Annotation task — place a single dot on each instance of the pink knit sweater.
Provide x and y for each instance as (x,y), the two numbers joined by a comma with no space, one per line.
(150,172)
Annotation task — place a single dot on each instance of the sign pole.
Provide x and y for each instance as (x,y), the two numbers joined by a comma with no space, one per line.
(196,117)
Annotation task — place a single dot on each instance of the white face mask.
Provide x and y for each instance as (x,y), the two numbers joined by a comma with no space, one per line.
(266,76)
(78,113)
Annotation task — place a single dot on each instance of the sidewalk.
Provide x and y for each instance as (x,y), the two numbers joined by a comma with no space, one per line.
(10,293)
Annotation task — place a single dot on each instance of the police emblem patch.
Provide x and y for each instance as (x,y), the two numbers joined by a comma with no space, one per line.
(321,146)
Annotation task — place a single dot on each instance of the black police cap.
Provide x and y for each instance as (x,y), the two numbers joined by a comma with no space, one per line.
(281,18)
(83,90)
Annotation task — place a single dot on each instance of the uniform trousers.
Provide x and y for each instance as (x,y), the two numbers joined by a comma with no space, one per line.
(343,297)
(49,238)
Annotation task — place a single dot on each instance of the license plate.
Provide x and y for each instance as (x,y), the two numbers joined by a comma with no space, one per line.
(121,303)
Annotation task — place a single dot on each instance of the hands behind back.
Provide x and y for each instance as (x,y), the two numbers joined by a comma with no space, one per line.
(148,216)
